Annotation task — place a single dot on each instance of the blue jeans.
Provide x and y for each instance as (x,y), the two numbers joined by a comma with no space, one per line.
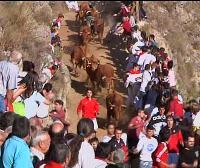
(2,104)
(145,164)
(173,158)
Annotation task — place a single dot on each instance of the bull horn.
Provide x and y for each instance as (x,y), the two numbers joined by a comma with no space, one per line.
(104,77)
(124,106)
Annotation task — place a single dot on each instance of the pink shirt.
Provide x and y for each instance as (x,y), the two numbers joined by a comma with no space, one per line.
(171,77)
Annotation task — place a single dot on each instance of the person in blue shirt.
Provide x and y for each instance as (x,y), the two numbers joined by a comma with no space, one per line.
(15,152)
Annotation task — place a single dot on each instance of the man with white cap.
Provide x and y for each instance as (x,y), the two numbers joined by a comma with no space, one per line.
(9,70)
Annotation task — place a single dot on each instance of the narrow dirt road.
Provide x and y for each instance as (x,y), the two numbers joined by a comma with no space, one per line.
(106,53)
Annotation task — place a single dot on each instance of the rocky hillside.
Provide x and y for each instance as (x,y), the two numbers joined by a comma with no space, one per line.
(25,27)
(176,26)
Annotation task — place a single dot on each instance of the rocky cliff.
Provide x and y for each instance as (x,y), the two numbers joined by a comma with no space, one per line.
(176,26)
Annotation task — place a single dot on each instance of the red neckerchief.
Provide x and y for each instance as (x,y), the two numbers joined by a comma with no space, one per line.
(132,71)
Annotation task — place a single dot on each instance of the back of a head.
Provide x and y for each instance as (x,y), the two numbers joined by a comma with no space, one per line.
(21,127)
(7,120)
(28,66)
(59,152)
(57,131)
(103,150)
(85,127)
(118,156)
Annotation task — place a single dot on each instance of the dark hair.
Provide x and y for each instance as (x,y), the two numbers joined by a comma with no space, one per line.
(31,81)
(56,136)
(60,15)
(7,119)
(170,64)
(118,128)
(164,136)
(95,139)
(110,123)
(75,146)
(21,127)
(150,127)
(85,127)
(174,92)
(144,49)
(28,66)
(48,87)
(59,152)
(147,66)
(111,166)
(103,150)
(59,102)
(152,36)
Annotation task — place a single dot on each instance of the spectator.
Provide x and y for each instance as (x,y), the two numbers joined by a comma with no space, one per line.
(94,142)
(102,155)
(175,139)
(189,156)
(82,152)
(160,156)
(56,131)
(6,122)
(176,106)
(15,151)
(110,132)
(9,71)
(171,74)
(59,156)
(60,112)
(135,127)
(89,108)
(146,145)
(58,21)
(117,143)
(158,121)
(40,146)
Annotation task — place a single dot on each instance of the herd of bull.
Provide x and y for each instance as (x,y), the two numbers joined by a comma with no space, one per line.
(100,75)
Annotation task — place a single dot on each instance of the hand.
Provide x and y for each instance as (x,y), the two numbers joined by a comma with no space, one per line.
(172,166)
(115,14)
(195,164)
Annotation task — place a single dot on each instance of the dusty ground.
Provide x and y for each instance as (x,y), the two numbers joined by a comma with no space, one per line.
(109,52)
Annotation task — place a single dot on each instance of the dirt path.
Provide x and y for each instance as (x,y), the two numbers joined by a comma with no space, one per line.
(106,53)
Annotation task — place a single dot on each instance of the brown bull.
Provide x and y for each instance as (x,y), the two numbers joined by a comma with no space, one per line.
(99,27)
(77,58)
(100,75)
(114,103)
(85,34)
(84,7)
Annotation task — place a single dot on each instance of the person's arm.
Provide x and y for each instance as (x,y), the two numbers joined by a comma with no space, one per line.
(139,146)
(96,108)
(185,165)
(79,110)
(18,92)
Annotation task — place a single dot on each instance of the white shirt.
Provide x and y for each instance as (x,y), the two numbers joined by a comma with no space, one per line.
(86,156)
(99,163)
(31,106)
(147,147)
(43,110)
(106,138)
(8,76)
(146,78)
(133,78)
(196,121)
(35,152)
(137,35)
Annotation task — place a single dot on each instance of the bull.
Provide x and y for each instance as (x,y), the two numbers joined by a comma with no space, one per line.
(77,59)
(114,104)
(100,75)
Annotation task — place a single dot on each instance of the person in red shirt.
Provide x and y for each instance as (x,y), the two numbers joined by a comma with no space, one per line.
(89,108)
(176,106)
(135,127)
(160,156)
(126,26)
(175,139)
